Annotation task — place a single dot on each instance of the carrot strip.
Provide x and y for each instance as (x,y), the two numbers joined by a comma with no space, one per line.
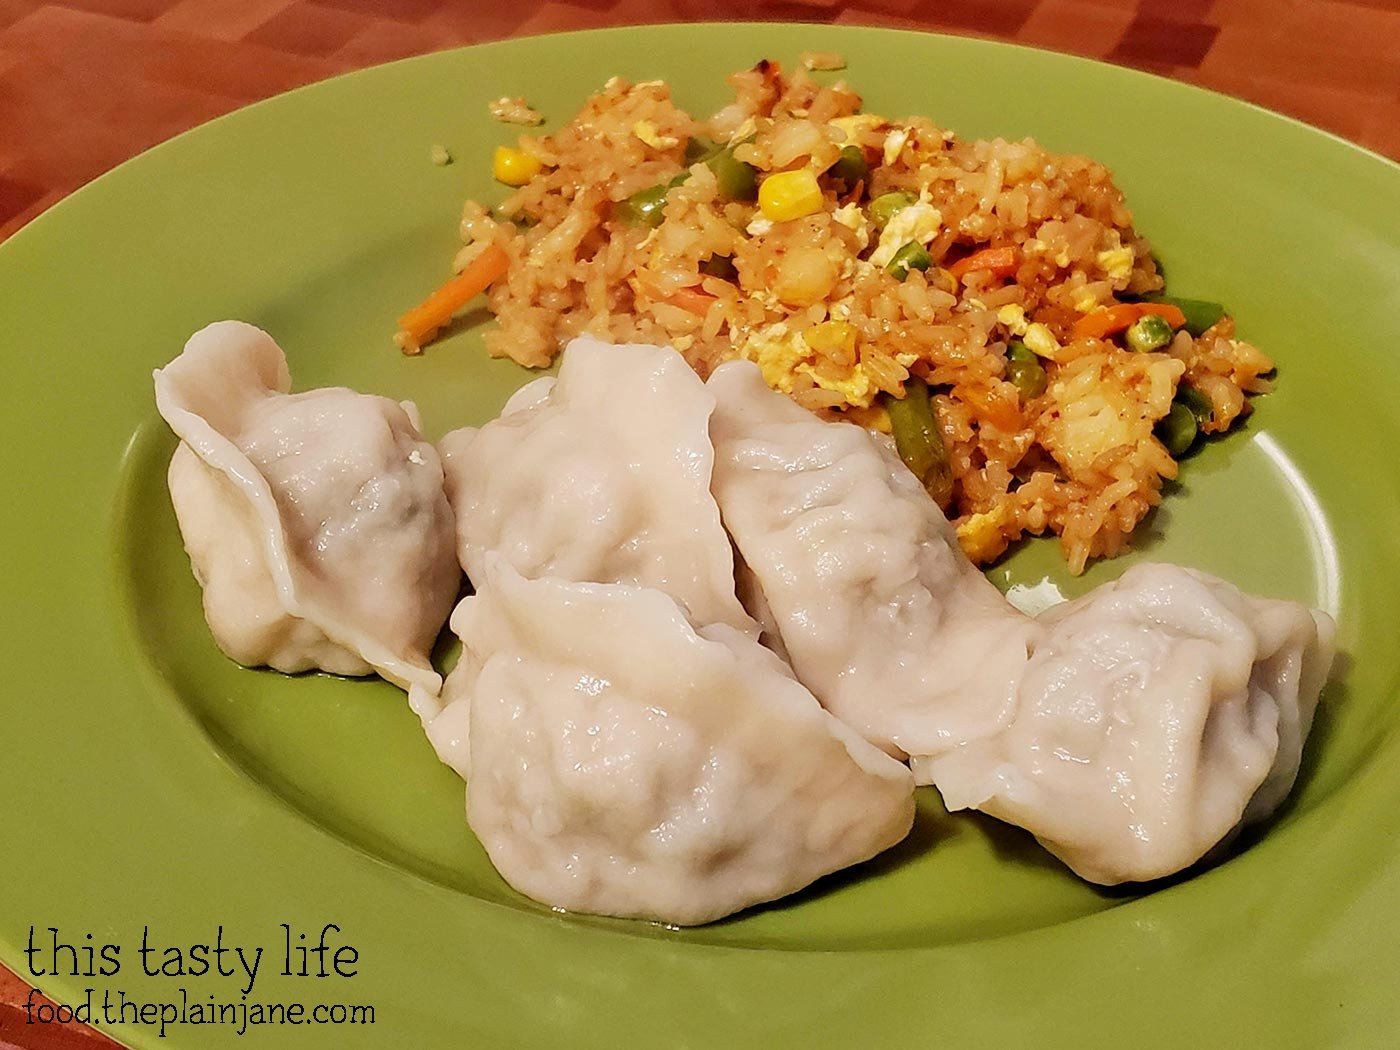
(692,300)
(1003,413)
(689,298)
(1000,261)
(1168,312)
(436,310)
(1110,320)
(1097,324)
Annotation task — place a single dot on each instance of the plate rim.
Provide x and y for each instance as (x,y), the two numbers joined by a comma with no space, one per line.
(114,599)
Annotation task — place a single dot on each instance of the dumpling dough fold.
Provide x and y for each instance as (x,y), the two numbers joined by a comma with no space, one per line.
(316,523)
(1157,715)
(601,476)
(881,614)
(624,763)
(1132,731)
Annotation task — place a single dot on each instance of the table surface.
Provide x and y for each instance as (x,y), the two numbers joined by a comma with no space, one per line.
(86,84)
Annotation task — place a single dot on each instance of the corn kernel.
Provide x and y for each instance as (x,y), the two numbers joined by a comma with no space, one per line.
(514,167)
(836,339)
(1041,341)
(790,195)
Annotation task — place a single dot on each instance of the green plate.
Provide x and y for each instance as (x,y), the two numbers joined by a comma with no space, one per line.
(149,782)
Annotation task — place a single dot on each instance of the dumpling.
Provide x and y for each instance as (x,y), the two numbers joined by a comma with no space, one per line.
(316,523)
(623,763)
(601,476)
(1158,714)
(881,614)
(1131,731)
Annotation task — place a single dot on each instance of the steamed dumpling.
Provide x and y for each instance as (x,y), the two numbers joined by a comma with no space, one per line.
(1157,713)
(1131,731)
(624,763)
(316,523)
(881,614)
(602,476)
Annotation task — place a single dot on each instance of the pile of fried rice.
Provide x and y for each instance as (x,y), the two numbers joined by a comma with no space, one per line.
(625,229)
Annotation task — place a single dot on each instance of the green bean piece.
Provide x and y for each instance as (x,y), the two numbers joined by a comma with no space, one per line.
(1149,332)
(698,149)
(646,207)
(913,256)
(883,207)
(1200,314)
(919,441)
(851,167)
(721,266)
(1199,405)
(737,180)
(1177,429)
(1024,370)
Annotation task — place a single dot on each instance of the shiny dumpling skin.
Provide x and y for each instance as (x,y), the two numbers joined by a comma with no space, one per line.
(316,523)
(600,476)
(623,763)
(881,614)
(1156,714)
(1132,731)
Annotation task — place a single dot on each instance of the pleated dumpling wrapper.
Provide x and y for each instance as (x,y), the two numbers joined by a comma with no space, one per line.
(881,614)
(601,476)
(1132,731)
(624,763)
(1158,715)
(316,522)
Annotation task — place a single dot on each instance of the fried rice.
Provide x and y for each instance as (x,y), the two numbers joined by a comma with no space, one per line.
(627,231)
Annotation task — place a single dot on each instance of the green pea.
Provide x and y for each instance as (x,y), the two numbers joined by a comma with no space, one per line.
(1024,370)
(1200,314)
(851,167)
(1149,332)
(919,441)
(884,207)
(913,256)
(738,181)
(1199,405)
(721,266)
(1177,429)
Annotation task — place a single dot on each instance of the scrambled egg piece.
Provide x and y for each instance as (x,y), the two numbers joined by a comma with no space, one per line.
(919,222)
(1041,341)
(895,142)
(646,131)
(1117,264)
(782,355)
(981,537)
(1085,301)
(858,388)
(1013,317)
(758,225)
(777,351)
(856,123)
(852,216)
